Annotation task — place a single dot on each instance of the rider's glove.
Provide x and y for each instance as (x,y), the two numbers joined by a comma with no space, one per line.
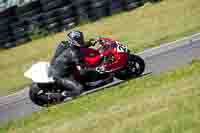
(91,42)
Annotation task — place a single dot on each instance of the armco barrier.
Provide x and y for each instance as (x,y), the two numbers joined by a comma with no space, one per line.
(17,24)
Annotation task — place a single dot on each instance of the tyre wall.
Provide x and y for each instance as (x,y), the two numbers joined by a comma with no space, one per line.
(19,23)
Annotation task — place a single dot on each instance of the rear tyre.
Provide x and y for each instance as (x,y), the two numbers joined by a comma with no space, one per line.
(36,97)
(50,94)
(135,67)
(43,95)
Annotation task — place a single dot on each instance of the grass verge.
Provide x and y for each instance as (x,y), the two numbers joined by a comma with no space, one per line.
(158,104)
(142,28)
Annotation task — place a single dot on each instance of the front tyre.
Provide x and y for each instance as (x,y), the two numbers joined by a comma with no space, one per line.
(135,67)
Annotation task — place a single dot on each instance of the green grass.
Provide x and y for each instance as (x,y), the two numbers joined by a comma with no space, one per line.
(142,28)
(167,103)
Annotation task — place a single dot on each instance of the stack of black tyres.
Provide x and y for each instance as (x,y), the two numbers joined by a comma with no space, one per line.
(18,23)
(6,36)
(34,16)
(53,14)
(99,9)
(19,30)
(82,8)
(67,16)
(116,6)
(132,4)
(22,28)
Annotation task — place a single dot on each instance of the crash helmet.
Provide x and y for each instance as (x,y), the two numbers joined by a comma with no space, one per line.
(76,38)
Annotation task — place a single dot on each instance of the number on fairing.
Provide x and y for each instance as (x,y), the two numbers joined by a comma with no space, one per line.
(121,48)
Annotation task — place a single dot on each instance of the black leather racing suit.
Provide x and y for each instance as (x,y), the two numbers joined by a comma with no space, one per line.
(65,57)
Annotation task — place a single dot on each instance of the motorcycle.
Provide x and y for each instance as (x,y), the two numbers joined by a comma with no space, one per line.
(110,59)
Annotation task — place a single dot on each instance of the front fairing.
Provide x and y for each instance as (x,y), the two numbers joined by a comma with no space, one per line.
(91,57)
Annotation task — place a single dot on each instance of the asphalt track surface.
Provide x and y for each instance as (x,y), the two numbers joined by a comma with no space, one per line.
(159,59)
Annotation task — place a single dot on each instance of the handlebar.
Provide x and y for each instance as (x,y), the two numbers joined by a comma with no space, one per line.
(101,40)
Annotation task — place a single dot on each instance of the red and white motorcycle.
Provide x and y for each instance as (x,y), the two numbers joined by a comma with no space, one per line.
(116,58)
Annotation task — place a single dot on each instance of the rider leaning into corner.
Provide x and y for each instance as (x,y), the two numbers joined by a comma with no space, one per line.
(69,53)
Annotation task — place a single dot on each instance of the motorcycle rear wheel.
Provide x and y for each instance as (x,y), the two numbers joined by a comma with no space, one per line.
(33,94)
(42,96)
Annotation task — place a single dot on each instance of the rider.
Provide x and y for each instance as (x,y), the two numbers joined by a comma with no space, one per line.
(68,53)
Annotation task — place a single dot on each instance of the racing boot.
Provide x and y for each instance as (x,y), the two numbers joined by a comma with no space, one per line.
(71,87)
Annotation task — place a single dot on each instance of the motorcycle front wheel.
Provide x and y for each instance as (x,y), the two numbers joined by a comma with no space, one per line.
(135,67)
